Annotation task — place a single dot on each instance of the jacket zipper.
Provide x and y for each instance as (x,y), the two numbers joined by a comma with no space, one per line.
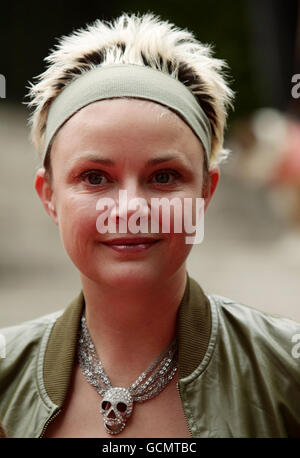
(49,421)
(58,412)
(186,420)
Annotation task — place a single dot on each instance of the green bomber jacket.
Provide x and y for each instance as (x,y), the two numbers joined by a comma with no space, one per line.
(238,369)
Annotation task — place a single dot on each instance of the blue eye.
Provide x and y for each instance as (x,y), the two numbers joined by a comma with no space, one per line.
(93,177)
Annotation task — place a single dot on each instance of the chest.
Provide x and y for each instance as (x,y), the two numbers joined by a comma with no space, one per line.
(161,416)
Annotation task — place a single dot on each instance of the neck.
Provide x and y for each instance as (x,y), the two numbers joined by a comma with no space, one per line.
(130,327)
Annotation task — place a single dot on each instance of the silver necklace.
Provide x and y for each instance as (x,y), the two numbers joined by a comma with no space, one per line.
(117,403)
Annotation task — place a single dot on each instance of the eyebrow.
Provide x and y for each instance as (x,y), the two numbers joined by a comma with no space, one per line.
(150,162)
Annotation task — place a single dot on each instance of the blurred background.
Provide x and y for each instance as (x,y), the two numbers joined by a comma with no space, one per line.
(251,248)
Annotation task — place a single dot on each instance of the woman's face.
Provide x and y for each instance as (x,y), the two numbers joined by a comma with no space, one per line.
(130,145)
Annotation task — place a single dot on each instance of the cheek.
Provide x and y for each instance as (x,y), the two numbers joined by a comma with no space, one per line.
(181,218)
(186,227)
(173,255)
(77,223)
(176,221)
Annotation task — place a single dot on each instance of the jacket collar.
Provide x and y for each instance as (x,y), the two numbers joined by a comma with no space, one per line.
(193,330)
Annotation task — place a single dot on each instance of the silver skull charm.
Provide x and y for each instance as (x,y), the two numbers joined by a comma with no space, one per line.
(116,407)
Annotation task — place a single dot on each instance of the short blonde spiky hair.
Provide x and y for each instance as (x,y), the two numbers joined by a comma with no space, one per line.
(141,40)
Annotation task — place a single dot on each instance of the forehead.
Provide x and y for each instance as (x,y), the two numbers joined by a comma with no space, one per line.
(131,126)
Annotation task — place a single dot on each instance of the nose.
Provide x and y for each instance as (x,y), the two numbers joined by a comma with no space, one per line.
(130,201)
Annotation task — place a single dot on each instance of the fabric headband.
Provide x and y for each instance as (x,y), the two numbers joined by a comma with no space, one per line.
(128,80)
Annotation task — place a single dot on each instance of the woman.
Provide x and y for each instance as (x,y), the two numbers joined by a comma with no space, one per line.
(138,107)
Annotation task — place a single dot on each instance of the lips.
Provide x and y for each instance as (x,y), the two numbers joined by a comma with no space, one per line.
(131,245)
(131,241)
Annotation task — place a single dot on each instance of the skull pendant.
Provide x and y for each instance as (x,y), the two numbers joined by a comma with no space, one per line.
(116,407)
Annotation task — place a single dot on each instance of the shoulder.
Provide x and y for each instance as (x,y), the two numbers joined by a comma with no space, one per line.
(19,343)
(20,349)
(236,315)
(27,332)
(271,341)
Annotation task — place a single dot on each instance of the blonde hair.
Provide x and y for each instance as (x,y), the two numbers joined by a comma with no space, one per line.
(142,40)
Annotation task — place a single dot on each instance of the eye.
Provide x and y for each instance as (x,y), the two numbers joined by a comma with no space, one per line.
(163,176)
(93,177)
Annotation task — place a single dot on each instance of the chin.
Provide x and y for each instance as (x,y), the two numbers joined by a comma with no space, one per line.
(130,277)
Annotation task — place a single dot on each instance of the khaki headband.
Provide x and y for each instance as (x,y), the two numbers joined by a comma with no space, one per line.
(128,80)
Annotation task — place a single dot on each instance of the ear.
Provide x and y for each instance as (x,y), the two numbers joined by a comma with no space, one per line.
(211,185)
(45,192)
